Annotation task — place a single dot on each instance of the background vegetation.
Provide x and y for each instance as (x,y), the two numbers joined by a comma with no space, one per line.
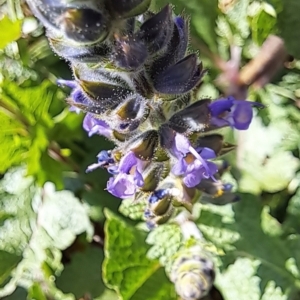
(59,227)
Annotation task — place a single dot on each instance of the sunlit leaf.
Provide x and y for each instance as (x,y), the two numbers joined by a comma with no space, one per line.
(10,31)
(126,267)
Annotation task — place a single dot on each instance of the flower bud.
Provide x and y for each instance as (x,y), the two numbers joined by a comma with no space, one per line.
(153,221)
(157,31)
(216,143)
(193,118)
(159,209)
(216,192)
(130,114)
(129,53)
(153,175)
(192,273)
(82,22)
(179,78)
(107,96)
(84,25)
(78,53)
(127,9)
(144,145)
(175,49)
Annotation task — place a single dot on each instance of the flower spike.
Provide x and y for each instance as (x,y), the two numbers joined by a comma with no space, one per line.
(137,85)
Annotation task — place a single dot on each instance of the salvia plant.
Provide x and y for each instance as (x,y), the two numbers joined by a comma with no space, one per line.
(129,189)
(136,81)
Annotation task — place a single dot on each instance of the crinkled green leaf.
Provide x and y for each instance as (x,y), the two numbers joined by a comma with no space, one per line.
(63,217)
(263,24)
(253,236)
(10,31)
(133,209)
(293,213)
(265,166)
(288,22)
(35,224)
(247,287)
(237,15)
(166,240)
(24,244)
(32,102)
(25,127)
(126,267)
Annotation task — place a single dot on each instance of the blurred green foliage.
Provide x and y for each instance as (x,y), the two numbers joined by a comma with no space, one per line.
(54,218)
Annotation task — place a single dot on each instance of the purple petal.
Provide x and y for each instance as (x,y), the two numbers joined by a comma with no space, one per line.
(227,187)
(192,179)
(220,106)
(78,97)
(75,109)
(122,186)
(138,179)
(96,126)
(93,167)
(207,153)
(242,115)
(194,174)
(127,162)
(69,83)
(181,144)
(179,167)
(212,169)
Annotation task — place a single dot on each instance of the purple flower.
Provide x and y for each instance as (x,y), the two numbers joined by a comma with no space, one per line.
(235,113)
(95,126)
(129,177)
(104,160)
(192,164)
(69,83)
(77,96)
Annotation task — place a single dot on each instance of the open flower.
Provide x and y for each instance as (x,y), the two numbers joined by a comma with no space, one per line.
(96,126)
(128,178)
(235,113)
(105,160)
(192,164)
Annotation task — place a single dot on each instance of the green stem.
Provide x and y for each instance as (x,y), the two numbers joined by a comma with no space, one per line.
(55,153)
(14,113)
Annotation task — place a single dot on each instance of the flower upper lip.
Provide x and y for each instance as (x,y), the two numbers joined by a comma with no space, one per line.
(128,177)
(198,167)
(235,113)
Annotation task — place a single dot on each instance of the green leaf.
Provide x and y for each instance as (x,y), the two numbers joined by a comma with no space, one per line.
(248,283)
(203,18)
(25,123)
(35,224)
(263,24)
(36,292)
(166,240)
(292,219)
(126,267)
(98,199)
(237,15)
(254,237)
(10,31)
(32,102)
(8,261)
(84,270)
(267,167)
(133,209)
(63,217)
(288,21)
